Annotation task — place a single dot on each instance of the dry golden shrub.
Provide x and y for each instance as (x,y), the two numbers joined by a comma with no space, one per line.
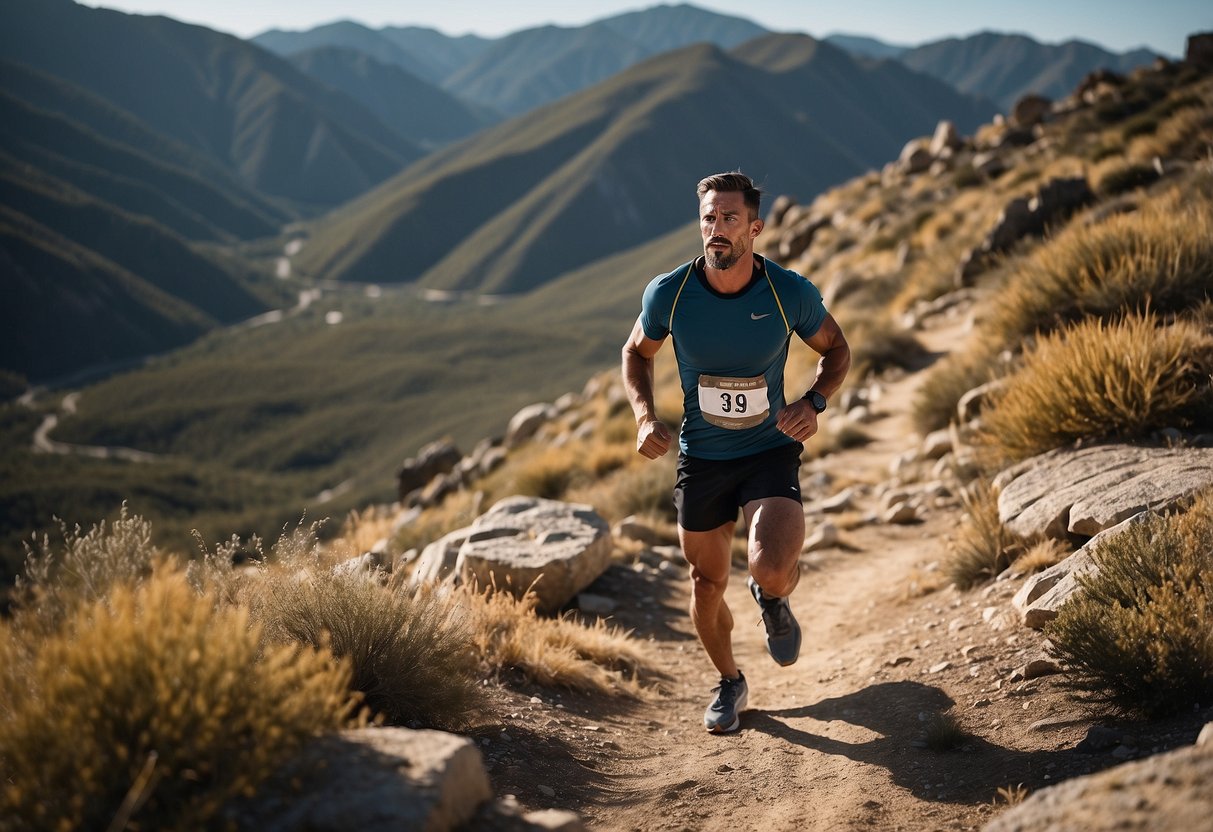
(557,652)
(1101,380)
(982,547)
(153,705)
(1160,257)
(410,658)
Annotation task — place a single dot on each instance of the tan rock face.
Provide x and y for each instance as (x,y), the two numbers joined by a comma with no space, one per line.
(559,548)
(1091,489)
(1167,791)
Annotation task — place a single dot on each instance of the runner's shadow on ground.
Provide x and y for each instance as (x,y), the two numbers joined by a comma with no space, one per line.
(899,713)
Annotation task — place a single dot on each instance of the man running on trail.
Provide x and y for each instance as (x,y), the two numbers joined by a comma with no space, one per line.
(732,315)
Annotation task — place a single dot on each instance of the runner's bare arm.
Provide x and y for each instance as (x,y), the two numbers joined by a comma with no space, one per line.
(798,419)
(653,437)
(835,353)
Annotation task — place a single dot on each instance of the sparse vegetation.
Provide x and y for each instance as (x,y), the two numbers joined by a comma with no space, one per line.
(1160,257)
(1098,380)
(945,732)
(946,383)
(1137,638)
(153,706)
(559,652)
(982,547)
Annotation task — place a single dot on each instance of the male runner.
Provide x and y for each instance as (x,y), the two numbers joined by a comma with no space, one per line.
(732,315)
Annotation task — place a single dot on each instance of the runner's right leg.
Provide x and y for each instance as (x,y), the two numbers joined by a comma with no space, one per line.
(710,557)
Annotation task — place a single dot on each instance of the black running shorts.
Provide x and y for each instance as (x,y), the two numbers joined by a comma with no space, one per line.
(709,492)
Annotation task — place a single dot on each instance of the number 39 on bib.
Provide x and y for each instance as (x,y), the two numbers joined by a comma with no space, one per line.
(733,403)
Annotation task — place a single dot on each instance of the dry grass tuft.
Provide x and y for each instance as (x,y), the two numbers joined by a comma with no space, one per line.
(946,383)
(1099,380)
(1160,257)
(86,567)
(555,652)
(152,707)
(1041,556)
(1011,795)
(410,657)
(982,547)
(945,732)
(1139,637)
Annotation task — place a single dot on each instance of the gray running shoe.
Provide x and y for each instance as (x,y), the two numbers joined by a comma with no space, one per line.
(783,631)
(724,714)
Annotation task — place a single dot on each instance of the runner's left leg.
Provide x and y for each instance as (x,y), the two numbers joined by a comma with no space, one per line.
(776,532)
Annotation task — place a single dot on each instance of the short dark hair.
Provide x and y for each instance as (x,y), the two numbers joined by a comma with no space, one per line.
(733,181)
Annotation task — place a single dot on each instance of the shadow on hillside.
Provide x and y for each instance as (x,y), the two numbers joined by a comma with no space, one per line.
(897,712)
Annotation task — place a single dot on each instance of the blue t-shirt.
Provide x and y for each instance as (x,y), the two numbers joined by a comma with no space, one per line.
(730,349)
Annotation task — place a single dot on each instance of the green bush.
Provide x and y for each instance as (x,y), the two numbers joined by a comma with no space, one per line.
(1101,380)
(150,708)
(1139,636)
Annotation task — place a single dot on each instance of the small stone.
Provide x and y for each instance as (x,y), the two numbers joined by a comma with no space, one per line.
(897,662)
(939,668)
(1205,736)
(595,604)
(547,791)
(982,703)
(724,768)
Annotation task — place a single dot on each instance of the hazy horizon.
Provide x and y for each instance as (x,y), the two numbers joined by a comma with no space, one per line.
(1116,25)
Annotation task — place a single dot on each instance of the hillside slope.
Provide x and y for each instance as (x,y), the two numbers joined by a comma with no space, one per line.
(280,132)
(413,107)
(616,165)
(1005,67)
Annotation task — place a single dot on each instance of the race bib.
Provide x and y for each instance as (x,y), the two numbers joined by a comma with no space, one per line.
(733,403)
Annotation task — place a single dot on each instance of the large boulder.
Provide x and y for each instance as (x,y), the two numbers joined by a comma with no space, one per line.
(1030,110)
(1084,491)
(559,548)
(373,779)
(1166,791)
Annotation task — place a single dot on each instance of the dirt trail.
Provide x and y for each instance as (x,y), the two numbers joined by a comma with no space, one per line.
(835,742)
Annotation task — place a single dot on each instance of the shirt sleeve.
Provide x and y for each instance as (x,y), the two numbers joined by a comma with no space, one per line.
(655,310)
(812,308)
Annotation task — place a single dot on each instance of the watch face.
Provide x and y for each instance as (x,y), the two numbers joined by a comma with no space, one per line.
(817,400)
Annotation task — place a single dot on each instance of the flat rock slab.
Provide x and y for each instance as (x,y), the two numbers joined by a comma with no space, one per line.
(1166,791)
(1084,491)
(374,780)
(558,548)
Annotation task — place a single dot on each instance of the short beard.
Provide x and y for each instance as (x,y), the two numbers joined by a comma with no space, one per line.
(723,262)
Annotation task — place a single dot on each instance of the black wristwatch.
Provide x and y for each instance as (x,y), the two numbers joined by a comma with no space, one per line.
(817,400)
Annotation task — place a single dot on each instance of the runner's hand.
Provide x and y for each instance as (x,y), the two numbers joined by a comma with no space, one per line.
(652,439)
(798,420)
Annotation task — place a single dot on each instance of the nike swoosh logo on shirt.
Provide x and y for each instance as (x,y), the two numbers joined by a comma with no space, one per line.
(754,317)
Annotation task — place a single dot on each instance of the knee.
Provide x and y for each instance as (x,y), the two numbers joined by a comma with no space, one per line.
(706,588)
(776,573)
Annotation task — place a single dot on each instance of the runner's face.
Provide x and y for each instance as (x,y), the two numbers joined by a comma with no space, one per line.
(726,228)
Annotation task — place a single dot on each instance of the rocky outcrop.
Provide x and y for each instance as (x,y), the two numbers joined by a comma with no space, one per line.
(1166,791)
(526,423)
(1053,203)
(433,459)
(559,548)
(1199,51)
(1043,594)
(1084,491)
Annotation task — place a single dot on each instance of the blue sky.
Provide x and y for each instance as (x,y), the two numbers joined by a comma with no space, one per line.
(1119,25)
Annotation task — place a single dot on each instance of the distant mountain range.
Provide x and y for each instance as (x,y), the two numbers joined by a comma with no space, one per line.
(139,154)
(614,166)
(1006,67)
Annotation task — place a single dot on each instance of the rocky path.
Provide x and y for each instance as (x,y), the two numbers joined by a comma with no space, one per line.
(838,741)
